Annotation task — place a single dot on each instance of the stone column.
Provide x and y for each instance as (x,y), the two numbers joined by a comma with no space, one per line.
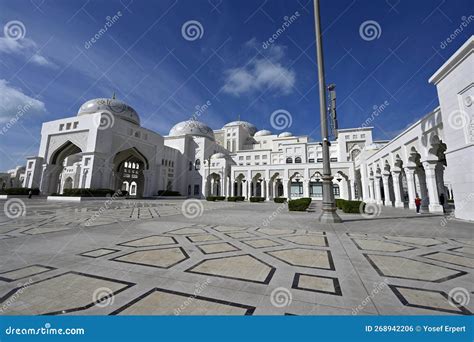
(365,184)
(351,189)
(378,194)
(386,189)
(410,174)
(396,189)
(371,190)
(232,188)
(305,188)
(286,186)
(430,177)
(267,191)
(204,187)
(275,190)
(247,189)
(421,178)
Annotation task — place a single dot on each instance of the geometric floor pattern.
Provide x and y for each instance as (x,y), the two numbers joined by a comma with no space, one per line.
(155,262)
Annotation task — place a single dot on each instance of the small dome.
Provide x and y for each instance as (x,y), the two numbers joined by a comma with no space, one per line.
(263,133)
(247,125)
(285,135)
(192,127)
(117,108)
(218,155)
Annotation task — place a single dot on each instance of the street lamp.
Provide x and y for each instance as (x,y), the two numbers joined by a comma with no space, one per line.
(328,214)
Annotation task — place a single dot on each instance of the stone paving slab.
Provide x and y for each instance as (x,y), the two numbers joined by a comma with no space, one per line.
(145,257)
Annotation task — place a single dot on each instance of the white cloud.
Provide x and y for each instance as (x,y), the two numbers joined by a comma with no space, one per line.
(261,73)
(25,47)
(13,103)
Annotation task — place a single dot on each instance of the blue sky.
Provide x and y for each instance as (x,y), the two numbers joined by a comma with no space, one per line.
(144,58)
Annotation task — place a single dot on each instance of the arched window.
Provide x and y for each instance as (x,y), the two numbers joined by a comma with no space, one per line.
(297,160)
(197,164)
(336,190)
(190,166)
(289,160)
(354,154)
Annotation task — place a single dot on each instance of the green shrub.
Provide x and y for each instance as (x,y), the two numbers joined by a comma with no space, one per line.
(20,191)
(220,198)
(211,198)
(340,203)
(351,207)
(232,199)
(168,193)
(239,198)
(299,204)
(279,200)
(88,192)
(257,199)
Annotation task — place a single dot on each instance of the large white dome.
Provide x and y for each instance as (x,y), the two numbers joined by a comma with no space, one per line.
(285,135)
(192,127)
(247,125)
(218,155)
(117,108)
(263,133)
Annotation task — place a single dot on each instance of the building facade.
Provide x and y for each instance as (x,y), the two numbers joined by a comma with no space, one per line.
(104,146)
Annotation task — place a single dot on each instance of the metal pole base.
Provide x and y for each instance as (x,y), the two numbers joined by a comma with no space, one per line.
(329,216)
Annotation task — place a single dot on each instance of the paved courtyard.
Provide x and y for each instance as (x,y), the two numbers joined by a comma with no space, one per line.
(144,257)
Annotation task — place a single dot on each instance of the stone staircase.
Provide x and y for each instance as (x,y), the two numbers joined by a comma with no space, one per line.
(312,207)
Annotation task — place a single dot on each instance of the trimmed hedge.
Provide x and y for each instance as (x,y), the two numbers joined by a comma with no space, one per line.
(257,199)
(168,193)
(279,200)
(215,198)
(350,207)
(89,192)
(339,203)
(235,198)
(299,204)
(19,191)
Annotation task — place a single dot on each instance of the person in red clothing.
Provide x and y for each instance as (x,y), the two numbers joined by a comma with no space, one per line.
(417,204)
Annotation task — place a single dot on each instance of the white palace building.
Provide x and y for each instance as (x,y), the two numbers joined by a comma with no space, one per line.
(104,146)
